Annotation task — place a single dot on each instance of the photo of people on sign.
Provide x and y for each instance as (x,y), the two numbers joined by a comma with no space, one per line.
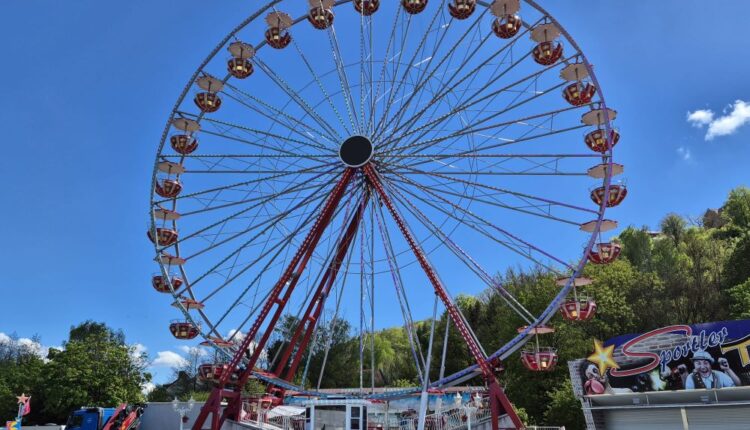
(679,357)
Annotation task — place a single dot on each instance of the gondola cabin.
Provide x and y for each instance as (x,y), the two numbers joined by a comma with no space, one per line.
(161,284)
(366,7)
(539,359)
(183,330)
(605,253)
(578,309)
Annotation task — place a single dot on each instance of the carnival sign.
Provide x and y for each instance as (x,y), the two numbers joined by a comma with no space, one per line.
(677,357)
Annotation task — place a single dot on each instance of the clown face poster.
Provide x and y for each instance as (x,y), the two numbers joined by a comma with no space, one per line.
(678,357)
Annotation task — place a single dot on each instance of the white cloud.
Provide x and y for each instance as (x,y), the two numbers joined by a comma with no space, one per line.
(147,388)
(194,350)
(138,349)
(168,359)
(684,153)
(238,335)
(25,344)
(34,347)
(700,117)
(729,123)
(733,117)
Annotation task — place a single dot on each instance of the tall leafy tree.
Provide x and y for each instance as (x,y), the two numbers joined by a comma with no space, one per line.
(96,367)
(21,371)
(673,226)
(737,207)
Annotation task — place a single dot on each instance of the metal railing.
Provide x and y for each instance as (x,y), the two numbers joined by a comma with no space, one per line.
(455,418)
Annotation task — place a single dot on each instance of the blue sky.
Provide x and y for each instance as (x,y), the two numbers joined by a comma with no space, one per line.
(88,87)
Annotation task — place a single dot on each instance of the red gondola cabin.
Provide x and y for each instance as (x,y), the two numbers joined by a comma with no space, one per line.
(162,285)
(579,93)
(166,236)
(547,53)
(617,194)
(596,142)
(168,188)
(183,330)
(183,143)
(414,6)
(366,7)
(604,253)
(581,309)
(462,9)
(506,26)
(207,102)
(539,360)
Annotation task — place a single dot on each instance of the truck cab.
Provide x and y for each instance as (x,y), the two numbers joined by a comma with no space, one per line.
(89,418)
(124,417)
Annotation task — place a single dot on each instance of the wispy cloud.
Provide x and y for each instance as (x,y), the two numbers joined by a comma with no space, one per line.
(25,344)
(194,350)
(700,117)
(168,359)
(733,117)
(684,153)
(147,388)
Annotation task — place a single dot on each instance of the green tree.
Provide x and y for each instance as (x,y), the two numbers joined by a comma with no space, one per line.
(96,367)
(564,407)
(636,247)
(673,226)
(737,265)
(737,207)
(740,300)
(21,370)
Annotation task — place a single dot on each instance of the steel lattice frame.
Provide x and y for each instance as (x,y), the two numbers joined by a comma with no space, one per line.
(271,206)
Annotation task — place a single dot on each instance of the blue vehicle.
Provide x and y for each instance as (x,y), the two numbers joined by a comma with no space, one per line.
(124,417)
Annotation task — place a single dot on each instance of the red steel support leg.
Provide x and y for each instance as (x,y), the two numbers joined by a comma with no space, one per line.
(288,281)
(498,399)
(317,303)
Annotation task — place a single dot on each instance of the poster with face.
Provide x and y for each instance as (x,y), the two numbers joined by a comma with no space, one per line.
(679,357)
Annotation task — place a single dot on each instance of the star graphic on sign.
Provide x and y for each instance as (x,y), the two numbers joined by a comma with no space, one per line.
(22,398)
(603,357)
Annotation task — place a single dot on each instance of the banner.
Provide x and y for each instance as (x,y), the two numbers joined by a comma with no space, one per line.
(678,357)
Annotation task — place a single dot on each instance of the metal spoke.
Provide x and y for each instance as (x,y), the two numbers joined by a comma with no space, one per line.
(494,202)
(467,130)
(486,222)
(344,80)
(422,80)
(409,65)
(237,185)
(294,96)
(322,88)
(276,112)
(471,101)
(465,258)
(262,133)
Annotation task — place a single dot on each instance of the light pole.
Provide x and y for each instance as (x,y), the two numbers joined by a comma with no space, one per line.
(183,410)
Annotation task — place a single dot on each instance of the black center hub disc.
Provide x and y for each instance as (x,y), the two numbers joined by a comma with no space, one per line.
(356,151)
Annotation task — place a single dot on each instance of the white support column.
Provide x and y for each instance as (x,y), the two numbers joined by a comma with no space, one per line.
(685,425)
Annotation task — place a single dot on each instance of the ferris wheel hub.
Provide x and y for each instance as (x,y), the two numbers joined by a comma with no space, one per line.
(356,151)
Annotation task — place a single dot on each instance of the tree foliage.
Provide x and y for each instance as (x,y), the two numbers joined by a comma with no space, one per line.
(95,367)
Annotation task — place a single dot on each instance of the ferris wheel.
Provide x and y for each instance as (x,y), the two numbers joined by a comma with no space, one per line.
(353,158)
